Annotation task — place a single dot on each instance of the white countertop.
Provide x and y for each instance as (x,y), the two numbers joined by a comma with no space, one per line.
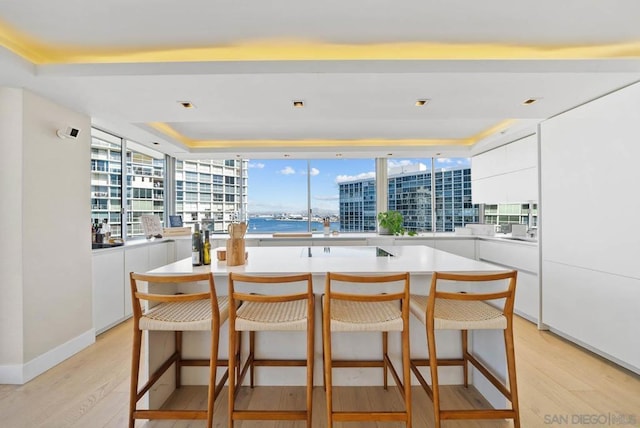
(417,259)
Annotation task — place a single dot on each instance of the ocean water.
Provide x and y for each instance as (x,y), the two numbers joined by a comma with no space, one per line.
(269,225)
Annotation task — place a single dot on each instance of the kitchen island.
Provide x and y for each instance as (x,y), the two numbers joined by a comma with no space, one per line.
(420,261)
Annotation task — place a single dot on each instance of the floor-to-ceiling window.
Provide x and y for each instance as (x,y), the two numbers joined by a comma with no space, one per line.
(145,186)
(136,192)
(106,180)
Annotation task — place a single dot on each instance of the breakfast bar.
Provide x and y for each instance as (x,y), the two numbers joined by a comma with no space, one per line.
(420,261)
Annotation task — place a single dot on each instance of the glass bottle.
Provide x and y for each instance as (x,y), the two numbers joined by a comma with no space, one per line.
(206,252)
(196,246)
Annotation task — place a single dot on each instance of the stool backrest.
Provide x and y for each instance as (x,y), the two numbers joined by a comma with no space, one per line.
(497,286)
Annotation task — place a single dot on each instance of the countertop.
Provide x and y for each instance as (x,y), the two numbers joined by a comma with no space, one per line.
(417,259)
(343,237)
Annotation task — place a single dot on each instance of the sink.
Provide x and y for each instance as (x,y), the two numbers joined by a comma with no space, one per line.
(520,238)
(96,246)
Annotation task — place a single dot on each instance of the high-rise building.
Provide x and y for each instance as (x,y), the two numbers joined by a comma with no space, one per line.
(144,180)
(358,206)
(410,193)
(212,192)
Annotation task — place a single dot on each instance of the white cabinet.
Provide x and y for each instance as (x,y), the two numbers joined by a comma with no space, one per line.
(506,174)
(108,292)
(111,284)
(590,270)
(182,248)
(523,258)
(461,247)
(136,259)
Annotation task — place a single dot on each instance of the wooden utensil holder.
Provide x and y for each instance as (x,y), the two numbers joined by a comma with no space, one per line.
(235,252)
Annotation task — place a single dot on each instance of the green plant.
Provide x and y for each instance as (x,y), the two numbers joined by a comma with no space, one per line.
(392,221)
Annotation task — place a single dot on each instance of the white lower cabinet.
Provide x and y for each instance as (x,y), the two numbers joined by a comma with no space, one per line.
(111,284)
(524,259)
(460,247)
(108,292)
(182,249)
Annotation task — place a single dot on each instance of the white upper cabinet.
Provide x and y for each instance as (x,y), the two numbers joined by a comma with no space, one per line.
(506,174)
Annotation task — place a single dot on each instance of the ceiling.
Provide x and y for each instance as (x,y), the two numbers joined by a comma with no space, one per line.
(359,66)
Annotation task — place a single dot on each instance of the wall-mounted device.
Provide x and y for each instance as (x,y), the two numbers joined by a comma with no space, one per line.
(70,132)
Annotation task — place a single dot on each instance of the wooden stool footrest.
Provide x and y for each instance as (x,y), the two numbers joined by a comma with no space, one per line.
(271,415)
(369,416)
(478,414)
(357,363)
(279,363)
(441,362)
(170,414)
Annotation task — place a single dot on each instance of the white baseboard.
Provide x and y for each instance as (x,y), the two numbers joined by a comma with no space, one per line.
(18,374)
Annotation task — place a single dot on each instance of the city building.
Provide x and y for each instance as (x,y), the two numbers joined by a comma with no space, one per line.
(211,192)
(410,194)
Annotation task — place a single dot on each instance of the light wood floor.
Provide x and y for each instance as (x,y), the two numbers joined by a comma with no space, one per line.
(558,383)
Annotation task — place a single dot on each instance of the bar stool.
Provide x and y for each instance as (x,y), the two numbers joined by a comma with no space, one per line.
(361,311)
(451,310)
(259,307)
(197,311)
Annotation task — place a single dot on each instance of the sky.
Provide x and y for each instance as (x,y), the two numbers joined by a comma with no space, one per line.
(280,186)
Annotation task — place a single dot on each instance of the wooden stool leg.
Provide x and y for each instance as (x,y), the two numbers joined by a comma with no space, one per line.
(233,337)
(511,366)
(213,367)
(252,355)
(433,366)
(310,358)
(465,351)
(406,371)
(135,373)
(178,345)
(385,349)
(326,340)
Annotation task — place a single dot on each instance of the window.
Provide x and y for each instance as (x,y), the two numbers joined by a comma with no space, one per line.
(106,180)
(144,188)
(436,201)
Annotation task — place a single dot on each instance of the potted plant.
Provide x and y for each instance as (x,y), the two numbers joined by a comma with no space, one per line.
(391,223)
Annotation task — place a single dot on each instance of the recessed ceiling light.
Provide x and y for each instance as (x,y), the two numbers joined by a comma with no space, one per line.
(186,104)
(422,102)
(298,103)
(530,101)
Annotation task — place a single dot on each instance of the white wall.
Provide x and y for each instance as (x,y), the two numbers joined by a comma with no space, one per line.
(590,239)
(46,203)
(11,325)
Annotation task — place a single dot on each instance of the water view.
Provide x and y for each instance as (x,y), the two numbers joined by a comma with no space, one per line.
(270,225)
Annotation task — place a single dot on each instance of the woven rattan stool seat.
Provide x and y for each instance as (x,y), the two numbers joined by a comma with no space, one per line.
(459,315)
(183,316)
(274,316)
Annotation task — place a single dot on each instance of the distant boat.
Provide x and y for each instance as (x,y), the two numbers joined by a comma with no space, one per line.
(292,217)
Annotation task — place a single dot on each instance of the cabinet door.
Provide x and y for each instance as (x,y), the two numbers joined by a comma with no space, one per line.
(524,259)
(460,247)
(159,255)
(108,293)
(135,260)
(182,249)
